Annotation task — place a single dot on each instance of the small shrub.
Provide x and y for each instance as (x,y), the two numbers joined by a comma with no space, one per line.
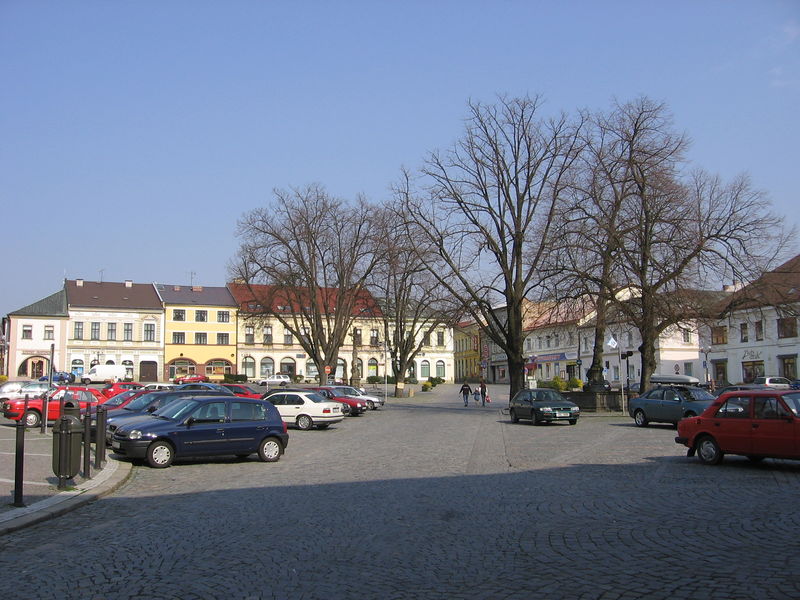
(574,383)
(3,378)
(231,378)
(426,386)
(434,381)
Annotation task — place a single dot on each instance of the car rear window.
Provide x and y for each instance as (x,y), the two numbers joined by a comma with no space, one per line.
(699,393)
(793,402)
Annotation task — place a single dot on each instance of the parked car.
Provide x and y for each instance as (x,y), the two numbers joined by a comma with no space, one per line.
(373,402)
(757,424)
(154,387)
(214,387)
(740,386)
(305,409)
(357,405)
(542,405)
(204,426)
(669,404)
(277,379)
(10,387)
(148,403)
(60,377)
(28,388)
(34,413)
(112,389)
(780,383)
(245,391)
(795,384)
(193,378)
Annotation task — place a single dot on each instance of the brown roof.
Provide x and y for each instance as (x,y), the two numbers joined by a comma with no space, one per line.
(111,294)
(774,288)
(256,298)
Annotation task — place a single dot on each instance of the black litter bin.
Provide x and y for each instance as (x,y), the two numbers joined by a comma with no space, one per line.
(68,427)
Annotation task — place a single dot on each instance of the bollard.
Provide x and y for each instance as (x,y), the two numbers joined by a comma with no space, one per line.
(100,437)
(19,458)
(87,444)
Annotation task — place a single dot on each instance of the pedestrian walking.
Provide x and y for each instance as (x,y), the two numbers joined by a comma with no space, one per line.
(465,391)
(476,394)
(484,392)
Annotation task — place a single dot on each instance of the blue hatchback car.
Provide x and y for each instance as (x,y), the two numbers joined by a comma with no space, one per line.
(204,426)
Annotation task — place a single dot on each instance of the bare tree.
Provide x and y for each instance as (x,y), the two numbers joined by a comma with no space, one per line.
(412,301)
(306,258)
(487,207)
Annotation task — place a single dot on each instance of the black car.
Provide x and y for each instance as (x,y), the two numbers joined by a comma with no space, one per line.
(542,405)
(204,426)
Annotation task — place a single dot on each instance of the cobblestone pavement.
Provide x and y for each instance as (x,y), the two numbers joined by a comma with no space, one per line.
(428,499)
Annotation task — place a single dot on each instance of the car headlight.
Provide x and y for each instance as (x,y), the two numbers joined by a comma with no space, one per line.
(575,409)
(546,409)
(135,434)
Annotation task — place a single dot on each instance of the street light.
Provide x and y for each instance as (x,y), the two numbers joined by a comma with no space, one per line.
(705,350)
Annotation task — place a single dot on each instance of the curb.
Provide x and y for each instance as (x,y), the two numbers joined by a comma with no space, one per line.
(111,478)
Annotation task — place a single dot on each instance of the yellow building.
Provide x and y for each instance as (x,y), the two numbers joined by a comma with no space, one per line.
(467,353)
(200,331)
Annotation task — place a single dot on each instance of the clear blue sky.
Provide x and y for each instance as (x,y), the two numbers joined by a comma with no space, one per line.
(134,134)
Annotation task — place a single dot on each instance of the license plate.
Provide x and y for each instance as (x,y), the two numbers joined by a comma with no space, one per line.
(562,414)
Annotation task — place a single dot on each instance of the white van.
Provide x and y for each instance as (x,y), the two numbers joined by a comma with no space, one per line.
(99,373)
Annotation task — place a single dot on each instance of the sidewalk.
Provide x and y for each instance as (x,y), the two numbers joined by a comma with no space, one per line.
(41,496)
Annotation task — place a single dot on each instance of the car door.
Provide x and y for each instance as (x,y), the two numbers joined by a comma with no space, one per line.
(774,428)
(670,408)
(204,432)
(246,427)
(650,403)
(732,425)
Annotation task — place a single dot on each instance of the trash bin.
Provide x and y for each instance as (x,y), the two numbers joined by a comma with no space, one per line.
(68,426)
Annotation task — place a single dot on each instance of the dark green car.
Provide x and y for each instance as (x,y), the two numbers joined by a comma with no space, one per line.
(542,405)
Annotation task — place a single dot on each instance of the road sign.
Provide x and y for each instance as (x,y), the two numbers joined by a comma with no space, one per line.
(579,362)
(327,369)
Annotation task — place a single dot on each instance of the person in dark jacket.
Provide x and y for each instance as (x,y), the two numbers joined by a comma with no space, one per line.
(465,392)
(483,392)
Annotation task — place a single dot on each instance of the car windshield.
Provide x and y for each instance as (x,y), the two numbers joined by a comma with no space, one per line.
(141,402)
(348,391)
(793,402)
(119,398)
(696,393)
(546,396)
(176,410)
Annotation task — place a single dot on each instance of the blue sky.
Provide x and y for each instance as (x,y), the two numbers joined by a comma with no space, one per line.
(134,134)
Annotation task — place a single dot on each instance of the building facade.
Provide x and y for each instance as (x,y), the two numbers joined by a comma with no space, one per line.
(34,333)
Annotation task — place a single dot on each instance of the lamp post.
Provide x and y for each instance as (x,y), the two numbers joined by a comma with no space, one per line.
(705,350)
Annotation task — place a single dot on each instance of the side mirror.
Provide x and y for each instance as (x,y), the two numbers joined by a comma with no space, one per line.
(190,421)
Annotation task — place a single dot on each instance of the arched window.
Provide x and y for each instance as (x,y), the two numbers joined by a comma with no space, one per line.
(249,367)
(440,368)
(288,366)
(219,368)
(372,368)
(76,366)
(311,370)
(179,368)
(110,362)
(267,367)
(424,369)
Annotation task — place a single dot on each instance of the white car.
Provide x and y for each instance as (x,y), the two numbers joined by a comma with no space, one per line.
(373,402)
(780,383)
(155,387)
(277,379)
(305,409)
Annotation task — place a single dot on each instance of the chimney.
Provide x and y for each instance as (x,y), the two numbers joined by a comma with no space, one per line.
(197,288)
(79,282)
(128,283)
(176,288)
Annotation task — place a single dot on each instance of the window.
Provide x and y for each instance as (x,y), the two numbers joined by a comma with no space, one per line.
(127,332)
(49,332)
(95,335)
(556,340)
(248,411)
(688,368)
(374,340)
(440,368)
(687,337)
(426,339)
(178,314)
(77,331)
(128,364)
(743,332)
(547,341)
(734,408)
(758,326)
(539,343)
(268,334)
(356,336)
(249,367)
(178,337)
(787,327)
(27,332)
(788,366)
(719,335)
(267,367)
(425,369)
(751,370)
(249,336)
(769,408)
(223,339)
(223,316)
(372,367)
(149,332)
(111,331)
(571,339)
(201,316)
(77,366)
(287,338)
(200,338)
(440,338)
(218,367)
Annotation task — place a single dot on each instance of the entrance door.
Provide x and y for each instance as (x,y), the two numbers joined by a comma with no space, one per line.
(148,370)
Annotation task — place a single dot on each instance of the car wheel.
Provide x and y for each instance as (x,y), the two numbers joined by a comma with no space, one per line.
(535,419)
(639,418)
(573,421)
(160,455)
(86,381)
(689,415)
(304,422)
(32,419)
(513,415)
(708,451)
(370,405)
(755,459)
(270,449)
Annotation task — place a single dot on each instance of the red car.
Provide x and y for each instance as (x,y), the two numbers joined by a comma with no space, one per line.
(241,390)
(190,379)
(112,389)
(357,406)
(757,424)
(15,409)
(123,398)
